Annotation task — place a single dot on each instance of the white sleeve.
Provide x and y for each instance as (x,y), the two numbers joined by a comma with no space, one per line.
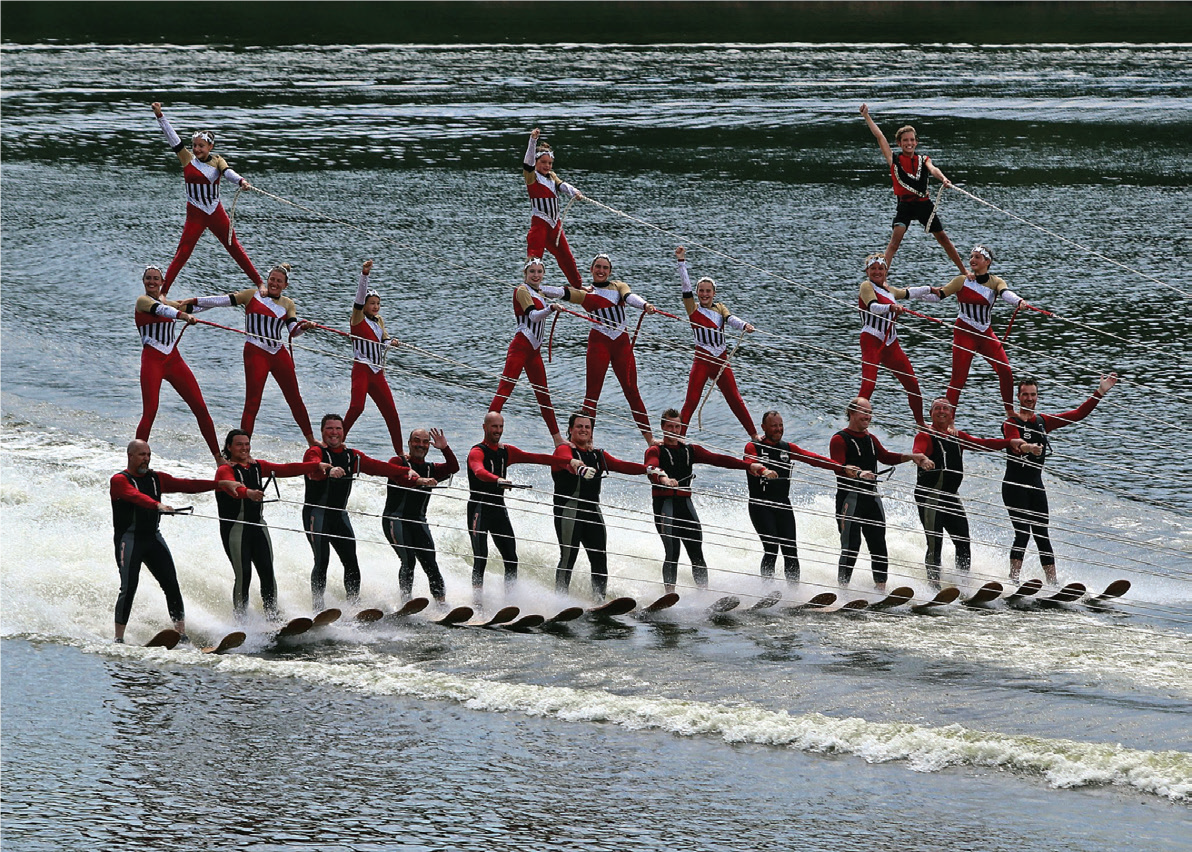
(529,161)
(230,174)
(1010,296)
(879,308)
(166,311)
(734,321)
(567,189)
(171,136)
(553,292)
(295,326)
(539,316)
(635,300)
(923,294)
(361,289)
(684,280)
(206,302)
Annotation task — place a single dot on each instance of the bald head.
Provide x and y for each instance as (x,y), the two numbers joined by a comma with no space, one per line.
(494,427)
(139,456)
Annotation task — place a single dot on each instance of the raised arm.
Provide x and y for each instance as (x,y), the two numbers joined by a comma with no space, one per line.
(184,155)
(685,292)
(361,293)
(878,135)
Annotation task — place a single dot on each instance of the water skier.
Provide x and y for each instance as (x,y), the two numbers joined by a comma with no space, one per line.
(404,518)
(858,506)
(910,171)
(370,344)
(161,360)
(1022,488)
(879,335)
(266,316)
(708,319)
(546,222)
(671,465)
(202,173)
(525,350)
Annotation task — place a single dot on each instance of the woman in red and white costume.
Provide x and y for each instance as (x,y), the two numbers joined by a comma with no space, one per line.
(161,360)
(202,172)
(973,332)
(266,316)
(370,342)
(708,319)
(546,225)
(525,350)
(879,335)
(609,341)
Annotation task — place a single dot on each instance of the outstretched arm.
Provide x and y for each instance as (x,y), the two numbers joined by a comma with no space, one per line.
(877,134)
(175,143)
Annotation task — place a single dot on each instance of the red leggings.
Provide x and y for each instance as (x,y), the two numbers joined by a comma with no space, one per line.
(619,352)
(366,382)
(523,356)
(704,368)
(258,364)
(196,222)
(541,237)
(155,368)
(965,342)
(874,353)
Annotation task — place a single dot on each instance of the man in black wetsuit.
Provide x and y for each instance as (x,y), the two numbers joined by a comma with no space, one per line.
(136,510)
(770,499)
(404,519)
(324,513)
(936,493)
(858,506)
(1022,488)
(578,470)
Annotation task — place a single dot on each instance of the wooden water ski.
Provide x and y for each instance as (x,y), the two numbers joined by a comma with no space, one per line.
(897,597)
(665,602)
(1068,594)
(820,601)
(457,616)
(1114,590)
(942,598)
(571,613)
(411,607)
(1026,590)
(294,627)
(526,622)
(502,616)
(724,604)
(855,605)
(767,601)
(232,640)
(368,616)
(615,607)
(988,593)
(327,616)
(167,639)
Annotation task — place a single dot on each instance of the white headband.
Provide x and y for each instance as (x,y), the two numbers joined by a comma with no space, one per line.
(206,136)
(874,260)
(981,250)
(541,154)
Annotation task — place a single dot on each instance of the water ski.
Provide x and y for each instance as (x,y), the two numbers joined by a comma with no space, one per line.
(294,627)
(1068,594)
(897,597)
(767,601)
(167,639)
(368,616)
(411,607)
(665,602)
(526,622)
(617,606)
(942,598)
(457,616)
(724,604)
(1019,595)
(327,616)
(991,591)
(855,605)
(1114,590)
(820,601)
(232,640)
(502,616)
(571,613)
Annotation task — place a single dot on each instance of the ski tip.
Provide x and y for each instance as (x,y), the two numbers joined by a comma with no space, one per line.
(295,626)
(232,640)
(502,616)
(767,601)
(326,617)
(856,605)
(665,602)
(821,600)
(617,606)
(526,622)
(1114,590)
(724,604)
(168,639)
(571,613)
(413,606)
(457,616)
(368,616)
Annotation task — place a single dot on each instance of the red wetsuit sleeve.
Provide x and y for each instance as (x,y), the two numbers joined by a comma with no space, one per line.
(120,488)
(517,456)
(314,454)
(476,465)
(224,474)
(653,459)
(884,455)
(376,467)
(180,485)
(448,467)
(836,449)
(283,471)
(972,442)
(923,443)
(561,460)
(1057,421)
(815,459)
(702,456)
(619,466)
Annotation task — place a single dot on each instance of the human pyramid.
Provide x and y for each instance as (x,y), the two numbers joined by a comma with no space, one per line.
(578,467)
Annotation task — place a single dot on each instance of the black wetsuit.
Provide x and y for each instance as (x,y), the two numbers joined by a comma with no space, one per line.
(770,508)
(487,514)
(1023,492)
(939,504)
(246,541)
(858,507)
(138,542)
(327,525)
(579,521)
(405,526)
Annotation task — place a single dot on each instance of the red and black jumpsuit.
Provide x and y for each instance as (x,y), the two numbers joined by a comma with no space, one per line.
(525,353)
(858,506)
(404,524)
(369,343)
(880,346)
(546,226)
